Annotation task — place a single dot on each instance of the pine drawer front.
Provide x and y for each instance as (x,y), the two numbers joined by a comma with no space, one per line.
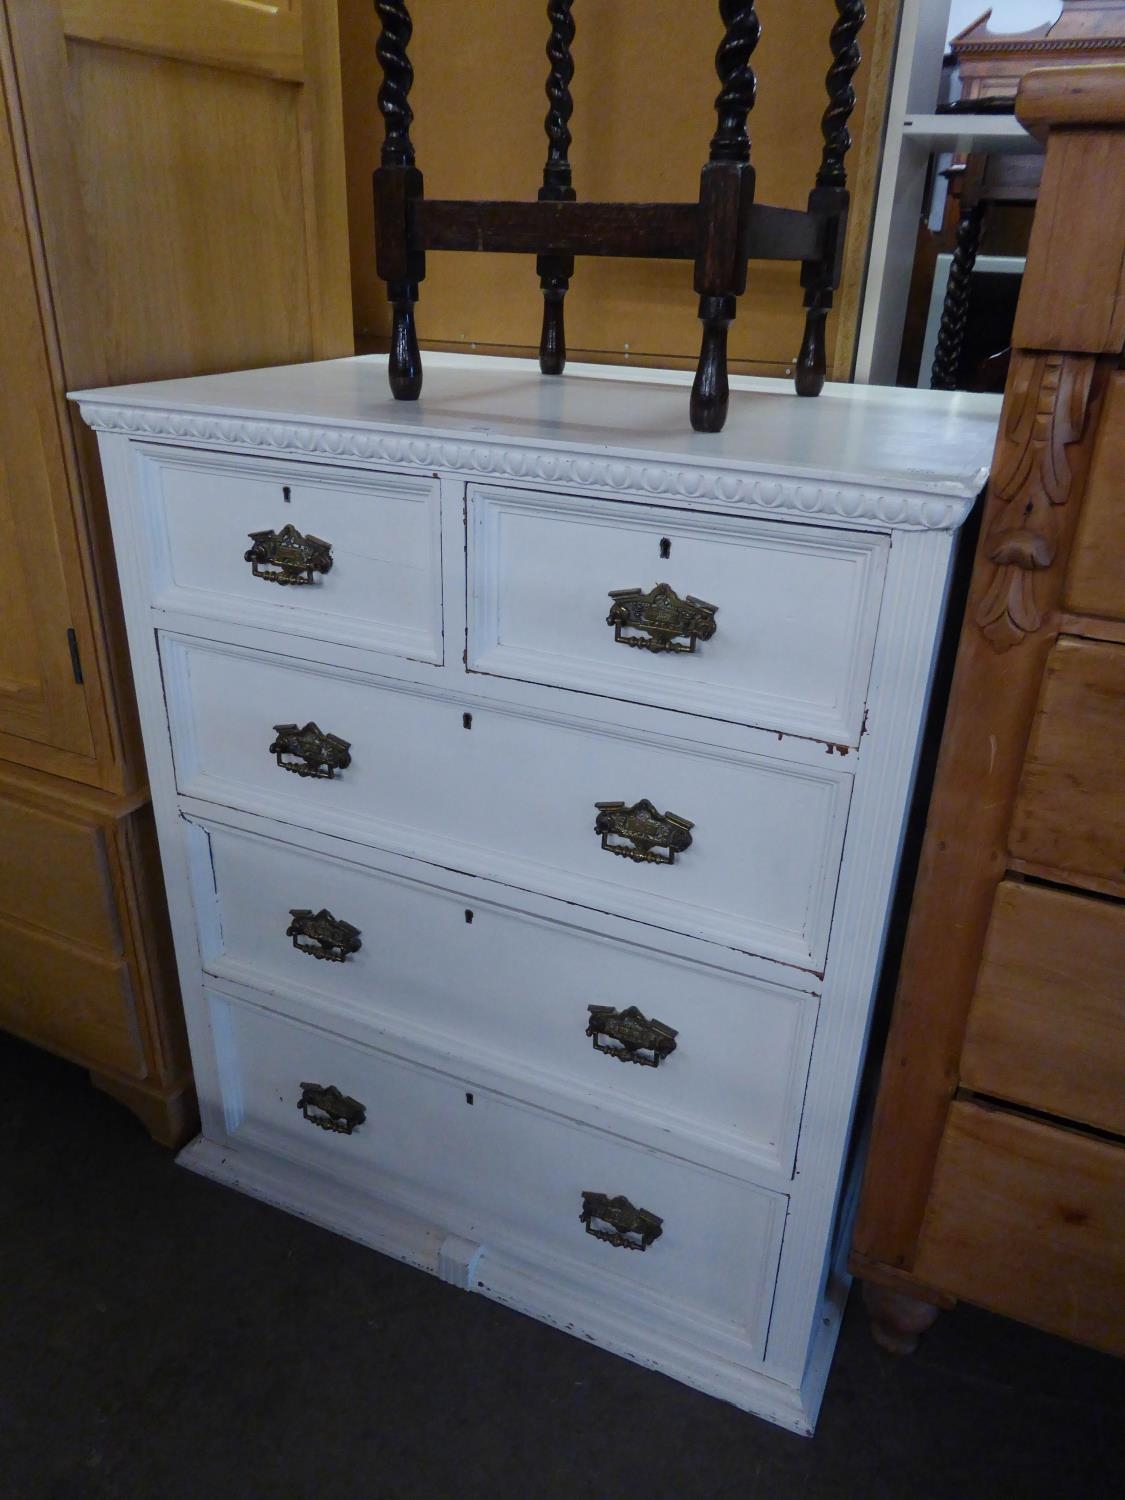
(382,590)
(794,630)
(508,992)
(1047,1024)
(505,1176)
(515,798)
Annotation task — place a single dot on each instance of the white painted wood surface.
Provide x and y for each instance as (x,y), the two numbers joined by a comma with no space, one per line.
(738,1140)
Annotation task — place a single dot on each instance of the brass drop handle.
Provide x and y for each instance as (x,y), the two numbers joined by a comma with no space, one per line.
(616,1221)
(655,621)
(328,1108)
(638,1039)
(321,935)
(638,832)
(288,556)
(312,752)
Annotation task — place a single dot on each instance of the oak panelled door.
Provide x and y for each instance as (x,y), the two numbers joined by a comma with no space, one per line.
(195,181)
(172,202)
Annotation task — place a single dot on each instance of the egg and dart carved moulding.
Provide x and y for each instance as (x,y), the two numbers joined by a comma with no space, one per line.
(719,234)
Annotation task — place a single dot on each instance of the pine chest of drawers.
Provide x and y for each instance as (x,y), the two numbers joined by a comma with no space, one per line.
(530,776)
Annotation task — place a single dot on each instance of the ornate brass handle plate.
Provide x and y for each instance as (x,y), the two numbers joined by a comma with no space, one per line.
(288,556)
(638,1039)
(662,617)
(314,752)
(646,830)
(616,1221)
(321,935)
(327,1107)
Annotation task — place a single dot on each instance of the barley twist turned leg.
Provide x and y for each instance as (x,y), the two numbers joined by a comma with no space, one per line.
(726,191)
(830,195)
(396,183)
(555,271)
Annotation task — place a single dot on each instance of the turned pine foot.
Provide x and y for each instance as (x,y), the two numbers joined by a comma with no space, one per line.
(897,1321)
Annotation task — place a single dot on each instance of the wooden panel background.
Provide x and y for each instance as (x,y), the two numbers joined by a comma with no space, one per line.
(644,88)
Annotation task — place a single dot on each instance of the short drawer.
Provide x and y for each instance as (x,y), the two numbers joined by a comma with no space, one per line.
(515,797)
(510,993)
(1047,1024)
(499,1173)
(788,647)
(219,543)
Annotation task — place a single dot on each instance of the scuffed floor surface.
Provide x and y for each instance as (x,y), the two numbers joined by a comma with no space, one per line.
(164,1338)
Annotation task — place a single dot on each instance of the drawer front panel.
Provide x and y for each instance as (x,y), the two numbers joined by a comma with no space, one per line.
(1070,813)
(515,797)
(36,847)
(505,989)
(1029,1220)
(794,629)
(502,1174)
(1094,581)
(382,590)
(73,1001)
(1047,1024)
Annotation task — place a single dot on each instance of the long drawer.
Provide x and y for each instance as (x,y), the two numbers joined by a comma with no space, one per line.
(509,992)
(788,645)
(499,793)
(503,1175)
(1029,1220)
(218,545)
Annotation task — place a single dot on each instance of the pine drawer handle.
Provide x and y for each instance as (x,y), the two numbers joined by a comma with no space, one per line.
(321,935)
(288,556)
(616,1221)
(328,1108)
(314,752)
(638,1039)
(661,617)
(645,831)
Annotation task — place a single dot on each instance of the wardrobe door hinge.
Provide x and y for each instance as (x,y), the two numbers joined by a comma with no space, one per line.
(75,658)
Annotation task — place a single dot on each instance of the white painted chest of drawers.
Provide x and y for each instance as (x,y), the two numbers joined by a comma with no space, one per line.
(439,1085)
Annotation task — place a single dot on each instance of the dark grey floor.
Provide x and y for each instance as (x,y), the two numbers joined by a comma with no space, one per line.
(164,1337)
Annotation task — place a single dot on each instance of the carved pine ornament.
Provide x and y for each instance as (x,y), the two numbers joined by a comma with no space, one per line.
(1032,475)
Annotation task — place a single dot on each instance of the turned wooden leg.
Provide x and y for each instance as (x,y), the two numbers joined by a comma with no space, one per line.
(170,1116)
(710,392)
(897,1321)
(404,368)
(398,184)
(812,362)
(555,271)
(955,307)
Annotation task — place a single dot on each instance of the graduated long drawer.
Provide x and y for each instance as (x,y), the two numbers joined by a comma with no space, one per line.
(515,797)
(508,991)
(503,1176)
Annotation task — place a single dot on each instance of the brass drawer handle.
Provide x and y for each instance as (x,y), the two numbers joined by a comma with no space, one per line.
(662,616)
(639,1039)
(616,1221)
(288,556)
(331,1110)
(315,752)
(323,935)
(646,830)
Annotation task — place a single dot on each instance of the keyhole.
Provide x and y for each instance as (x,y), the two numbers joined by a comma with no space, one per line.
(665,547)
(466,721)
(287,496)
(469,1099)
(468,916)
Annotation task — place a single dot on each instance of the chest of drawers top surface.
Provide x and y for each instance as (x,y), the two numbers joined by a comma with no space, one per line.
(897,456)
